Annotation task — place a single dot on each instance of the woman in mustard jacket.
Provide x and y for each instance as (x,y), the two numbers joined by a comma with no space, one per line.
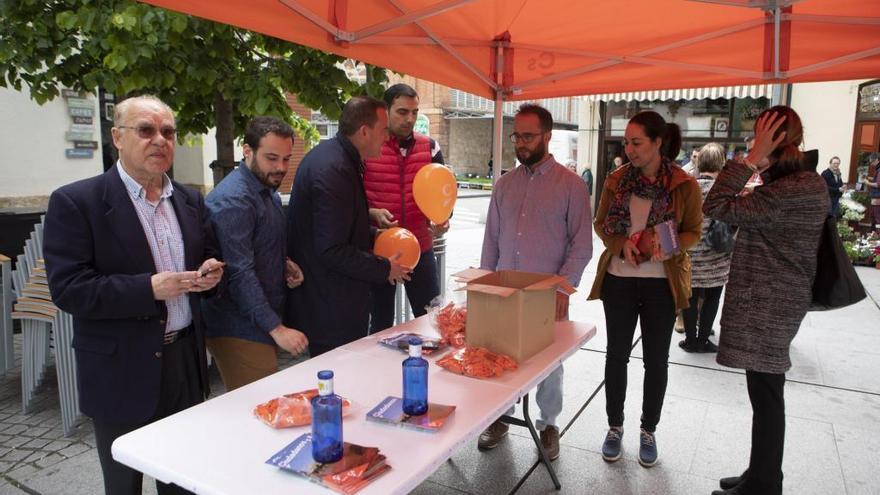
(635,280)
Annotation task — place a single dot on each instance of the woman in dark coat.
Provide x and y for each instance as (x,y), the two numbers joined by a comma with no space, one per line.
(771,276)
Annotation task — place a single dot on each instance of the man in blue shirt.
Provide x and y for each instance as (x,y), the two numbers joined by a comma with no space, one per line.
(539,220)
(244,324)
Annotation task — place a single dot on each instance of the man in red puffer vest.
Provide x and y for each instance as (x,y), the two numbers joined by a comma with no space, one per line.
(388,181)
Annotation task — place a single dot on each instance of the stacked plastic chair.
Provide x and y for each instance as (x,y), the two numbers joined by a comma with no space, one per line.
(7,351)
(43,325)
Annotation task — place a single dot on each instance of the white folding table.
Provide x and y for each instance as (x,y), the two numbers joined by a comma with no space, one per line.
(219,447)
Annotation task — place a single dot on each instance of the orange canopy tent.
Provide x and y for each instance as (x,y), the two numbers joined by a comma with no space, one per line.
(529,49)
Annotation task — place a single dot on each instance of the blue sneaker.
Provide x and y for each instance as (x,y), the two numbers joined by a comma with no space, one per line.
(647,449)
(611,446)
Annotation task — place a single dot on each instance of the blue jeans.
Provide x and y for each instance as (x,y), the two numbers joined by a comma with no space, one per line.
(549,400)
(423,286)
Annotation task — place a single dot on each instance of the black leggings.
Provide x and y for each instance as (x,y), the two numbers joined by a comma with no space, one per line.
(704,312)
(649,301)
(766,392)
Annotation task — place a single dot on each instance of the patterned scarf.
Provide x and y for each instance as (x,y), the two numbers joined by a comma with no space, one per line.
(618,220)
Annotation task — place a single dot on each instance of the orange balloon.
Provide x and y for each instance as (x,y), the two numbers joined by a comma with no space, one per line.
(397,240)
(435,191)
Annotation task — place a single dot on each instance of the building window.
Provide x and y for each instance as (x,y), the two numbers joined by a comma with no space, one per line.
(869,99)
(326,128)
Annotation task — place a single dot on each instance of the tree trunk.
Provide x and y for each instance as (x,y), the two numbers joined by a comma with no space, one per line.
(225,138)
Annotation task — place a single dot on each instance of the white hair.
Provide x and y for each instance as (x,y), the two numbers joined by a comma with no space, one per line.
(120,112)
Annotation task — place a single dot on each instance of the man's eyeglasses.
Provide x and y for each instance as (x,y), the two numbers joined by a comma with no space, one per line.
(526,137)
(149,131)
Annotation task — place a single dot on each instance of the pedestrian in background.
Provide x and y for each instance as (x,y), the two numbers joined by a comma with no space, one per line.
(835,184)
(709,268)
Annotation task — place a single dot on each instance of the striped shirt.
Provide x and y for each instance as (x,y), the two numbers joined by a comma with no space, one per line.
(539,222)
(165,239)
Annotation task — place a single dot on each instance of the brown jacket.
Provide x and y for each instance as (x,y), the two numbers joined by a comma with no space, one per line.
(686,204)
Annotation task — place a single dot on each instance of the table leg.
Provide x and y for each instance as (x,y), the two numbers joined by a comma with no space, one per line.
(527,422)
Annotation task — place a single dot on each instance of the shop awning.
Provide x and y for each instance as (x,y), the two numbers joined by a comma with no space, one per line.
(752,91)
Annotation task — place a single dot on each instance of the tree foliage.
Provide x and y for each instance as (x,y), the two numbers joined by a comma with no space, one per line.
(192,64)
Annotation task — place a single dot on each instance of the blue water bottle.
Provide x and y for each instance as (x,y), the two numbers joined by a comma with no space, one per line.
(326,421)
(415,380)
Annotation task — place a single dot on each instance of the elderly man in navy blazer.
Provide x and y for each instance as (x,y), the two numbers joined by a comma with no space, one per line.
(129,254)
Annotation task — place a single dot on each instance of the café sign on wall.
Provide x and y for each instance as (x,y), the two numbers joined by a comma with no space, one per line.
(81,133)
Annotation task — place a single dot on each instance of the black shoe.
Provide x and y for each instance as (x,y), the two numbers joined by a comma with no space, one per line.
(731,491)
(707,347)
(742,489)
(732,481)
(689,346)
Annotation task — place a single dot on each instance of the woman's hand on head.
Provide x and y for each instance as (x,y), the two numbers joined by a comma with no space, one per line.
(764,144)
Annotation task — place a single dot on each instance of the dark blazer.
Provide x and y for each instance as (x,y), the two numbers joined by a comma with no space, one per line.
(834,186)
(99,266)
(330,238)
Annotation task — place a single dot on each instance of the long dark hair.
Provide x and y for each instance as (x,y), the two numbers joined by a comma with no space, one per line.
(788,156)
(657,128)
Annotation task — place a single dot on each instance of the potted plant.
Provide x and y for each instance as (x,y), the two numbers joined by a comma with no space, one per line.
(860,197)
(845,232)
(860,251)
(852,212)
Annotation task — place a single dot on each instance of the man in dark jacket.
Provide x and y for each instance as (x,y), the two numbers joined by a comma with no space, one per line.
(127,254)
(329,233)
(835,184)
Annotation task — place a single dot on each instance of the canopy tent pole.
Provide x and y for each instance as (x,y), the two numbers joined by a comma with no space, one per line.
(498,121)
(497,136)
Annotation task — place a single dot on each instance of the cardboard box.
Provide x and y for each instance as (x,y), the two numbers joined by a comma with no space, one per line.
(511,312)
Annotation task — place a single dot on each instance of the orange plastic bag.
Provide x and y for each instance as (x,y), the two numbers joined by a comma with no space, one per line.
(291,409)
(477,362)
(451,321)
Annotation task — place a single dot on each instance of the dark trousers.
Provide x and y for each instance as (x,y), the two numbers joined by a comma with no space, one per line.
(179,389)
(316,350)
(627,301)
(766,392)
(835,206)
(704,313)
(423,286)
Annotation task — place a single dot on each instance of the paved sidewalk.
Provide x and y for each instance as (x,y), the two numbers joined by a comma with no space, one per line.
(833,406)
